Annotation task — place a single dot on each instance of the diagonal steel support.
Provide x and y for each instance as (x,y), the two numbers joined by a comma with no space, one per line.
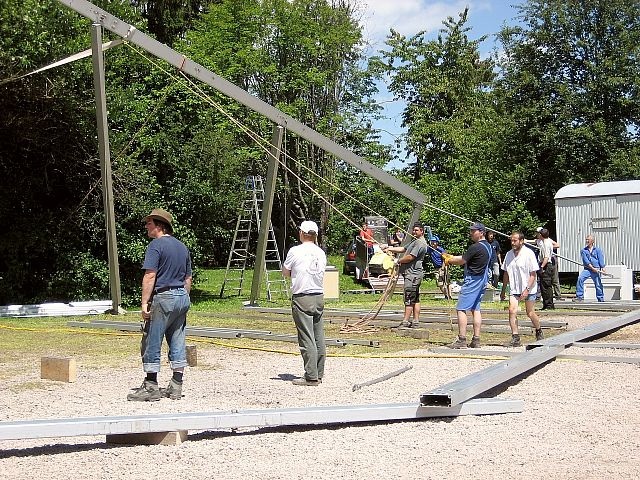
(463,389)
(76,427)
(473,385)
(590,331)
(188,66)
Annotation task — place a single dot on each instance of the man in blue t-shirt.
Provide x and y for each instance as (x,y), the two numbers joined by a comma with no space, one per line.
(476,267)
(165,301)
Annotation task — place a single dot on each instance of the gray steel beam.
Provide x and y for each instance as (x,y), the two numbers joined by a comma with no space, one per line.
(188,66)
(212,332)
(105,167)
(76,427)
(590,331)
(479,352)
(472,385)
(265,216)
(621,346)
(397,315)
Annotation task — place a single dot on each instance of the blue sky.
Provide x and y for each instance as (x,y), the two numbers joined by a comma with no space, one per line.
(408,17)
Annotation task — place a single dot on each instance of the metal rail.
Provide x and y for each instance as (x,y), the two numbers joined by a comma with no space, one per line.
(538,354)
(590,331)
(76,427)
(225,333)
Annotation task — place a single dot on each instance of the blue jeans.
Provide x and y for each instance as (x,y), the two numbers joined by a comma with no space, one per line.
(168,319)
(596,280)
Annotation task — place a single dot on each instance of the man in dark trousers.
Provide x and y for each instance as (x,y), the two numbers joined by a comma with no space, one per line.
(165,301)
(305,264)
(476,272)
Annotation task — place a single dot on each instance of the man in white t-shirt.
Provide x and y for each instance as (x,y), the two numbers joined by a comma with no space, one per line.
(520,270)
(305,264)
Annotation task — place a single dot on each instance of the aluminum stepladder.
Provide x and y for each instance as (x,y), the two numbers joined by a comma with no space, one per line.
(249,222)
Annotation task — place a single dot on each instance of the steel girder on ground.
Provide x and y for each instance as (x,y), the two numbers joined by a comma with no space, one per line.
(538,354)
(74,427)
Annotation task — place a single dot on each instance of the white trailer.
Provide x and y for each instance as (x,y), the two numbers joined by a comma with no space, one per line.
(610,211)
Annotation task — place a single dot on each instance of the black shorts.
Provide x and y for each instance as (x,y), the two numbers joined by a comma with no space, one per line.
(412,292)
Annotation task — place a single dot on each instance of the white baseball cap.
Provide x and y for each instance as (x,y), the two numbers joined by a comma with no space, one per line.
(309,227)
(539,229)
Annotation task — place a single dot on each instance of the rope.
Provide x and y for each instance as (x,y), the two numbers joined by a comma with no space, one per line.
(360,326)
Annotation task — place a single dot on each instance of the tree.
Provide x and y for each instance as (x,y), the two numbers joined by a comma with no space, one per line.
(443,83)
(570,84)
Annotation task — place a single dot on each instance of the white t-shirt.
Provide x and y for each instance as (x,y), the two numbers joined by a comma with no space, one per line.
(546,249)
(519,268)
(307,263)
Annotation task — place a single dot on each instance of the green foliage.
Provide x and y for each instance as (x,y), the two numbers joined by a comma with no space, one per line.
(570,85)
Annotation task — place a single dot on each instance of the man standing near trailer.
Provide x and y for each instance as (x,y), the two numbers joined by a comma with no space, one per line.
(520,271)
(476,272)
(547,263)
(165,301)
(412,270)
(305,264)
(593,262)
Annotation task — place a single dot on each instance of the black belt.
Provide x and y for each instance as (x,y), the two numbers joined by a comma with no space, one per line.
(166,289)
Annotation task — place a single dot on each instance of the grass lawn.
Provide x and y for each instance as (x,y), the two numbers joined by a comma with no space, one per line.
(27,339)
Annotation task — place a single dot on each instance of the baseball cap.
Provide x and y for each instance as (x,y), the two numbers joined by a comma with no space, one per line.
(539,229)
(478,226)
(309,227)
(434,238)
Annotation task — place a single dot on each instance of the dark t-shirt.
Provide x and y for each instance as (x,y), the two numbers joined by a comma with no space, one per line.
(476,258)
(495,247)
(170,259)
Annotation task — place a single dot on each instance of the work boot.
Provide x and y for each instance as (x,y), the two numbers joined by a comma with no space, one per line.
(539,335)
(173,390)
(147,392)
(306,383)
(461,342)
(475,342)
(515,341)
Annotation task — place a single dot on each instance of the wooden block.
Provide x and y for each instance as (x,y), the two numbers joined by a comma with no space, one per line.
(419,333)
(192,355)
(149,438)
(61,369)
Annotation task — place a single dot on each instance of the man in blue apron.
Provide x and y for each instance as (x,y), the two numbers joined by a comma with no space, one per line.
(476,269)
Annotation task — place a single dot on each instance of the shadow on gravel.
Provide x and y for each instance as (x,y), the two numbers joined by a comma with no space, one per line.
(210,435)
(56,449)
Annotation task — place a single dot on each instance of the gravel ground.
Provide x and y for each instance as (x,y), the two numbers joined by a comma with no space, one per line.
(580,421)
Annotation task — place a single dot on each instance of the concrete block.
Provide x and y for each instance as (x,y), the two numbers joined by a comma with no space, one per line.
(149,438)
(61,369)
(419,333)
(192,355)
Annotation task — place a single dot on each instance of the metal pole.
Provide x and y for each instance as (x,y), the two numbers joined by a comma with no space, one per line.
(188,66)
(105,166)
(267,207)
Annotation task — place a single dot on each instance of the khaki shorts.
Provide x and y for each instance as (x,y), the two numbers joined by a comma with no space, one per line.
(440,277)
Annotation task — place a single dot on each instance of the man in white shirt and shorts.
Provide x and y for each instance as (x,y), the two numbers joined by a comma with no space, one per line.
(520,271)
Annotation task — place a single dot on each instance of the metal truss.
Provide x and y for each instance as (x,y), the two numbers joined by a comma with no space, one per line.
(76,427)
